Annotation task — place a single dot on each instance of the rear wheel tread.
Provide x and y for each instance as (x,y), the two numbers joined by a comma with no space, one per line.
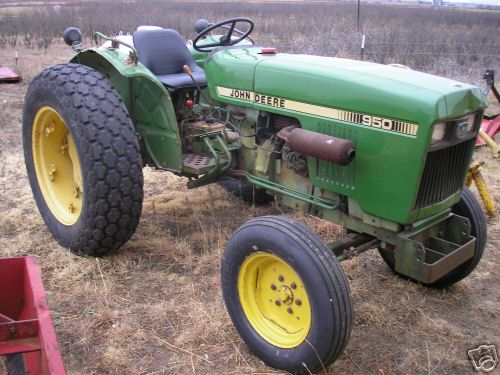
(108,150)
(247,191)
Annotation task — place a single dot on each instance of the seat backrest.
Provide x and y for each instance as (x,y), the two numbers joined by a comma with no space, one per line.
(162,51)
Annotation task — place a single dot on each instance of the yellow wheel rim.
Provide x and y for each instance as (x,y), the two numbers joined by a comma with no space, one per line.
(57,166)
(274,300)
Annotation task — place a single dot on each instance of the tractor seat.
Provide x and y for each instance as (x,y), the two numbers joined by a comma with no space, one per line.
(164,53)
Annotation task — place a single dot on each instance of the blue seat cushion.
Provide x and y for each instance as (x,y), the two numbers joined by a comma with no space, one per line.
(164,53)
(182,80)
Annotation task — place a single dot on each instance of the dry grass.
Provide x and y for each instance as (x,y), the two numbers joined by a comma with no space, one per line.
(155,306)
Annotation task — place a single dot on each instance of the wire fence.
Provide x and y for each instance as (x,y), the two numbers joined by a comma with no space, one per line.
(430,54)
(451,43)
(436,43)
(465,61)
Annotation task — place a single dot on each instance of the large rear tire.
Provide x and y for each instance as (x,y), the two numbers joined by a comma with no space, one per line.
(82,159)
(286,294)
(470,208)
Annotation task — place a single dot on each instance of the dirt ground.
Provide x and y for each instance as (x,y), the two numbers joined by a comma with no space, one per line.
(155,306)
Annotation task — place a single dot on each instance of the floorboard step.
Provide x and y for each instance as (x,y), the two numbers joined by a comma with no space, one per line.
(198,164)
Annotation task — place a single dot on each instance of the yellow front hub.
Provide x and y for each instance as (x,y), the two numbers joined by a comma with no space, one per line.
(274,300)
(57,166)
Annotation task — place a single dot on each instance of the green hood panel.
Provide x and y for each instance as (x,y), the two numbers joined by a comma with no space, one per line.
(233,68)
(378,89)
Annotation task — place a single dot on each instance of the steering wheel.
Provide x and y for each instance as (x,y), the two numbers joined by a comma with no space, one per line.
(225,40)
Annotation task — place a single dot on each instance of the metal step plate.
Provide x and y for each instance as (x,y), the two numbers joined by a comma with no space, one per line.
(197,164)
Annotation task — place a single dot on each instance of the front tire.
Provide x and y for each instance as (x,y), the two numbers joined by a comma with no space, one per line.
(286,294)
(470,208)
(82,159)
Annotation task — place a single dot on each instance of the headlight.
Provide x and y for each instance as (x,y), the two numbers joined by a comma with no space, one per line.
(438,132)
(465,125)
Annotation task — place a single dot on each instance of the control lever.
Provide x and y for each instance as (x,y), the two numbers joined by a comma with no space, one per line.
(188,71)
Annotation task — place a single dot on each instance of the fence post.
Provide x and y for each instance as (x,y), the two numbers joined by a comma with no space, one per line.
(363,46)
(359,8)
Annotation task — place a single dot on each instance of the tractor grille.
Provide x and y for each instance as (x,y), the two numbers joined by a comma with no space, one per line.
(444,173)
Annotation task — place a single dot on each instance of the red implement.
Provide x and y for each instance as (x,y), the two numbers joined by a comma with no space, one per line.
(8,75)
(490,126)
(26,328)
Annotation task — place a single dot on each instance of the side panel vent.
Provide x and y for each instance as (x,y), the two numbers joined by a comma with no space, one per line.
(332,173)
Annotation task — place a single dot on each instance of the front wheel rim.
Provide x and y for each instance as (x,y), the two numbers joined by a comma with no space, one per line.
(274,300)
(57,166)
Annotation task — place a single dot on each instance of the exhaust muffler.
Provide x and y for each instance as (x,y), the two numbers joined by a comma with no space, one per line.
(325,147)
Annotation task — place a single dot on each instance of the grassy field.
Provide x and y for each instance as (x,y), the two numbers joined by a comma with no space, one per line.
(155,306)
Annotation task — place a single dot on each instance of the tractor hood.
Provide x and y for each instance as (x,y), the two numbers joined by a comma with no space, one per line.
(387,112)
(376,89)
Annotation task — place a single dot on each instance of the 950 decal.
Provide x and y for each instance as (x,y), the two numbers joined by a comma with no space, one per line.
(375,122)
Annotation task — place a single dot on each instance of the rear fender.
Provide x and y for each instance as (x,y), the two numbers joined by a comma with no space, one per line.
(148,103)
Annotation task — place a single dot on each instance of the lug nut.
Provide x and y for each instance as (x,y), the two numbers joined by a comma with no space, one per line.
(293,285)
(281,278)
(289,310)
(277,302)
(64,146)
(273,287)
(52,171)
(298,302)
(76,190)
(49,129)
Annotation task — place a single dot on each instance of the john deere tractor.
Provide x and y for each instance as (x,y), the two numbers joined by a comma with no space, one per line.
(380,150)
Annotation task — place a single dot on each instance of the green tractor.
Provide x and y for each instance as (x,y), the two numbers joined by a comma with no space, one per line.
(380,150)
